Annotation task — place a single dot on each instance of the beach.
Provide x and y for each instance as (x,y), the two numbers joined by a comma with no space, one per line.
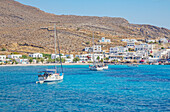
(51,64)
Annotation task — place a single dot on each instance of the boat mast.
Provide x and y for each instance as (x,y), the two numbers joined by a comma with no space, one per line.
(55,45)
(59,52)
(93,48)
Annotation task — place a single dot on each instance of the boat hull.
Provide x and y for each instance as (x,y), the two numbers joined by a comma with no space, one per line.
(96,69)
(105,67)
(52,78)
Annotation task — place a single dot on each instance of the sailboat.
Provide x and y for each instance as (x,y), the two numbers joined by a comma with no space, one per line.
(50,75)
(95,67)
(105,66)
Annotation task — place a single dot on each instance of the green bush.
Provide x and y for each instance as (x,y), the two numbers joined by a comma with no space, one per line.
(3,49)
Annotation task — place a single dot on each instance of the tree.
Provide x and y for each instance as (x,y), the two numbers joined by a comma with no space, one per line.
(76,59)
(42,60)
(101,60)
(88,43)
(107,59)
(98,58)
(51,60)
(46,55)
(31,60)
(37,60)
(24,57)
(3,49)
(14,61)
(68,57)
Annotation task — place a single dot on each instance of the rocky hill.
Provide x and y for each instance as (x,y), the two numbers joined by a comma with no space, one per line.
(28,29)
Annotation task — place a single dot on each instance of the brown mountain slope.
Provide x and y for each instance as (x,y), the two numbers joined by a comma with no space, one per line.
(28,29)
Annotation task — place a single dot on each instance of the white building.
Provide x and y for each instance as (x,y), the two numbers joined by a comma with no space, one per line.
(103,39)
(165,53)
(14,56)
(130,44)
(118,49)
(144,47)
(148,41)
(53,56)
(69,58)
(89,57)
(22,61)
(129,40)
(95,48)
(36,55)
(127,56)
(2,57)
(163,40)
(125,40)
(88,49)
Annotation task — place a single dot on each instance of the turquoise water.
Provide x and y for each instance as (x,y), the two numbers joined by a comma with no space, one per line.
(120,88)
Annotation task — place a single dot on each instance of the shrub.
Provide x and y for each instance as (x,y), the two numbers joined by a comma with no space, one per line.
(3,49)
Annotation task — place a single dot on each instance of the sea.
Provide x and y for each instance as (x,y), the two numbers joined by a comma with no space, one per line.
(119,89)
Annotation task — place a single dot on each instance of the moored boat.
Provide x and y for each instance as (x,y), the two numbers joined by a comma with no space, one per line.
(96,68)
(50,75)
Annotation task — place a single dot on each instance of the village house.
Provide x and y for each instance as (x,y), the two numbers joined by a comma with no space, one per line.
(22,61)
(2,57)
(89,57)
(53,56)
(130,45)
(163,40)
(118,49)
(95,48)
(103,39)
(69,58)
(14,56)
(151,41)
(36,55)
(144,47)
(129,40)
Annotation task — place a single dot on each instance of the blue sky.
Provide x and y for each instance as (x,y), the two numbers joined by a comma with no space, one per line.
(154,12)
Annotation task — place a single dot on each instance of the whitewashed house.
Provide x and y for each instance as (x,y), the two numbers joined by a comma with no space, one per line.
(103,39)
(14,56)
(129,40)
(117,49)
(163,40)
(97,48)
(144,47)
(130,45)
(69,58)
(2,57)
(53,56)
(88,49)
(125,40)
(133,40)
(36,55)
(22,61)
(89,57)
(149,41)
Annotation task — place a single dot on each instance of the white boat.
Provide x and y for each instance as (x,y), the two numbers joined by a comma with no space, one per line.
(105,66)
(50,75)
(96,68)
(133,65)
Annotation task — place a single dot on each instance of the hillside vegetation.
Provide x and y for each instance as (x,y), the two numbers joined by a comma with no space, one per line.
(27,29)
